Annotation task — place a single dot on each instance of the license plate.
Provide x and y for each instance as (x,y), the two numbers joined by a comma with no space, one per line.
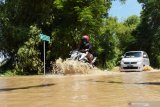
(129,65)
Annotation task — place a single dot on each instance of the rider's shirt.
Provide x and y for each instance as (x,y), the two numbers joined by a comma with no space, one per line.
(85,45)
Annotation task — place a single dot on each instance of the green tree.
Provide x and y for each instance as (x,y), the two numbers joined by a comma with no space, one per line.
(28,55)
(65,21)
(148,30)
(116,38)
(126,33)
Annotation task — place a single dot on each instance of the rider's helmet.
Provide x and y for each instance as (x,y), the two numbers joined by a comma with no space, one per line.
(85,37)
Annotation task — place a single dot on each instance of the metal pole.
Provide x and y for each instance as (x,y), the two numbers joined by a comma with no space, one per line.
(44,58)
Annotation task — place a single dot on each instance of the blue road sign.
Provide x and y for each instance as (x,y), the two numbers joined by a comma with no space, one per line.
(45,37)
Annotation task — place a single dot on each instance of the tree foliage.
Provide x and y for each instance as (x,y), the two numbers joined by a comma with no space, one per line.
(65,21)
(116,38)
(28,61)
(148,32)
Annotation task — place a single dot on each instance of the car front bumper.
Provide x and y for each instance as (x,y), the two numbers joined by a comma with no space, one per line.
(133,67)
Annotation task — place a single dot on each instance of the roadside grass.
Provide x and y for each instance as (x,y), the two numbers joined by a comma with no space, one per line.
(8,73)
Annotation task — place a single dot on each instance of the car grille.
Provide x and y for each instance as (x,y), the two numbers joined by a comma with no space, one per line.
(130,62)
(130,67)
(133,62)
(126,62)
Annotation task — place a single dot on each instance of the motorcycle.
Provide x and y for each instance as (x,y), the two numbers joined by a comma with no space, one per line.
(81,56)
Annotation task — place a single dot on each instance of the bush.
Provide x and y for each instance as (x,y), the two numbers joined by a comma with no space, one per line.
(28,55)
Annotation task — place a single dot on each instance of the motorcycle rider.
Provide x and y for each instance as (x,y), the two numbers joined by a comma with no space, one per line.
(85,47)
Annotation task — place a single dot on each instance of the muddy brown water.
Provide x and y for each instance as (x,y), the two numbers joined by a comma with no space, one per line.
(120,90)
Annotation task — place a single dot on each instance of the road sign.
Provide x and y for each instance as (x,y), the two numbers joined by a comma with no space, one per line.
(45,37)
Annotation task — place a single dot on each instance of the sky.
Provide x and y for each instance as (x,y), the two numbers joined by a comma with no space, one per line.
(122,11)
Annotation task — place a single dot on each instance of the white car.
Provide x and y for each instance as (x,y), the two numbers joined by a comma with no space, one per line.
(134,61)
(4,57)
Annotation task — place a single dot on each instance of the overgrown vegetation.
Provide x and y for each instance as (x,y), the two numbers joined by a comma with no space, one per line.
(148,32)
(65,21)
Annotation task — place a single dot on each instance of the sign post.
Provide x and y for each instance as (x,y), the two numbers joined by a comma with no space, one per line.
(44,57)
(44,38)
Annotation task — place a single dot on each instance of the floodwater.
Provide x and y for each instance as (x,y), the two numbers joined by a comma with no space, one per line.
(132,89)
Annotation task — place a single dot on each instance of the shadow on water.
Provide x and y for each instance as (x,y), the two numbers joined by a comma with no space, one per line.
(27,87)
(119,82)
(144,83)
(150,83)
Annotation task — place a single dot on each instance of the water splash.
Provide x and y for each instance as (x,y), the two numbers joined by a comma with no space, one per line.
(71,67)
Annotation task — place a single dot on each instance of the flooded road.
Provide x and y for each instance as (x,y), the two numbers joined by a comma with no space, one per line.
(119,90)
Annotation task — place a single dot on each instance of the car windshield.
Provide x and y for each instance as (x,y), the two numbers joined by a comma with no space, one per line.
(132,54)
